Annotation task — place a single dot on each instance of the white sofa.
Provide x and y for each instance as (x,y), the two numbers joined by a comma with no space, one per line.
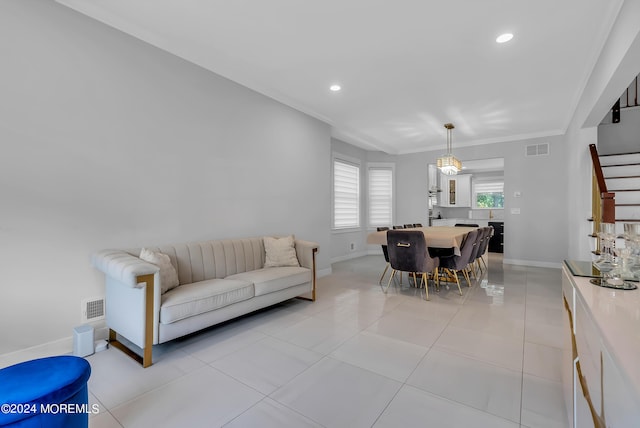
(218,280)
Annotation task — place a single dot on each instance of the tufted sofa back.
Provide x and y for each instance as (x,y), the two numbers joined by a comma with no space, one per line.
(199,261)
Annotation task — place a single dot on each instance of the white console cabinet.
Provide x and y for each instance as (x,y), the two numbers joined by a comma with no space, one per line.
(601,354)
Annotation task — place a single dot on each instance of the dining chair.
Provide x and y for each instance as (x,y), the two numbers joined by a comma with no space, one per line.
(466,225)
(488,233)
(409,226)
(474,263)
(386,255)
(456,264)
(417,224)
(396,228)
(408,253)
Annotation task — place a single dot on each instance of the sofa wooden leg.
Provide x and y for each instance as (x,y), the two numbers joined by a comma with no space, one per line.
(146,359)
(313,279)
(114,342)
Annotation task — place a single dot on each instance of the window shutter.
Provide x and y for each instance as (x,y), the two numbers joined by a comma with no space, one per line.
(346,194)
(380,196)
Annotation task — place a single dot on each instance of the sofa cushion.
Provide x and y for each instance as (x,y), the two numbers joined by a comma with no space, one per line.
(168,275)
(199,297)
(280,251)
(272,279)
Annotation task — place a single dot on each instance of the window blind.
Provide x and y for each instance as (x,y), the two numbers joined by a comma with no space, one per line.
(346,195)
(489,187)
(380,196)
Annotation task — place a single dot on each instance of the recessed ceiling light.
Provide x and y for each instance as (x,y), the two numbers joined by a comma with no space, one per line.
(334,88)
(503,38)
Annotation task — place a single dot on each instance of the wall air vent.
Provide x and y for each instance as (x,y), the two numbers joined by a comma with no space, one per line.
(537,149)
(92,309)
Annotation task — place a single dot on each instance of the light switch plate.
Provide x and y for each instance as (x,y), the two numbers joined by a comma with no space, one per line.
(515,210)
(517,194)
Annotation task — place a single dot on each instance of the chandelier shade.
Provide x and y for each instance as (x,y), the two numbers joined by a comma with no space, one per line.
(449,164)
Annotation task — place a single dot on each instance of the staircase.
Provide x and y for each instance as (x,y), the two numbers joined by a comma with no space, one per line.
(616,191)
(622,177)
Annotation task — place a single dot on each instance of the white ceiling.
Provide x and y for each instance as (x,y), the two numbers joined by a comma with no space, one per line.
(406,66)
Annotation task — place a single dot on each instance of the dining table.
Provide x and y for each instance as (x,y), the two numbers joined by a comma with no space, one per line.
(436,236)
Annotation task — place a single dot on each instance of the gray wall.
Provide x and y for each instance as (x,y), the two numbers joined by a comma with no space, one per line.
(463,213)
(618,63)
(109,142)
(341,240)
(538,235)
(622,137)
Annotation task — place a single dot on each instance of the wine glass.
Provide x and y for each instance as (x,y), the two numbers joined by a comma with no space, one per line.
(607,239)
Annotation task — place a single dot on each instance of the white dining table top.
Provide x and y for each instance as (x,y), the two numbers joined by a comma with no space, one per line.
(436,236)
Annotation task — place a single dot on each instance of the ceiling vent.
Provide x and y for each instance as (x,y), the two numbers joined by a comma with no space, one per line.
(537,149)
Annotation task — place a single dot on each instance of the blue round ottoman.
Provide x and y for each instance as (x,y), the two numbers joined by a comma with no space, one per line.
(47,392)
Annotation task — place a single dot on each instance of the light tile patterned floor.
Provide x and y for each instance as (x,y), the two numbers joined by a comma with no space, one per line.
(358,358)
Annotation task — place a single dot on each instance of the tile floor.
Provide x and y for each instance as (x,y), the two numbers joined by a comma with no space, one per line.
(358,358)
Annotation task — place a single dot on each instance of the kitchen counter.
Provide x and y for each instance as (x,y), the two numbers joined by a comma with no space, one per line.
(453,221)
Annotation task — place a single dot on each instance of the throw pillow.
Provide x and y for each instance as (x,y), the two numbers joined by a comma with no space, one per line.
(168,275)
(280,251)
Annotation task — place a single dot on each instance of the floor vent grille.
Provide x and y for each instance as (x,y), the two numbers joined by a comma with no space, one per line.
(92,309)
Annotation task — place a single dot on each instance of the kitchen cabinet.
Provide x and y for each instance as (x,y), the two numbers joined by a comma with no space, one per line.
(444,222)
(455,190)
(496,243)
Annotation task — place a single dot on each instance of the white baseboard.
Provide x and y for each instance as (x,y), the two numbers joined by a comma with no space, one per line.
(349,256)
(531,263)
(323,272)
(62,346)
(58,347)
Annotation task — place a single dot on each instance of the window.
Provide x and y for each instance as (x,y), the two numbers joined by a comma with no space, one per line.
(380,196)
(346,194)
(488,194)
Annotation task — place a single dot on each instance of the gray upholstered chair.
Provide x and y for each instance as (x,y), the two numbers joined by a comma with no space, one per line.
(386,255)
(486,236)
(408,253)
(474,254)
(455,264)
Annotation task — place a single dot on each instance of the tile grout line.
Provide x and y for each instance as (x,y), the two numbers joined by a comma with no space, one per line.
(477,282)
(524,340)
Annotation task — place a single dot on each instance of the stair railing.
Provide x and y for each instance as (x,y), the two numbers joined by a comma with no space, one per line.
(603,203)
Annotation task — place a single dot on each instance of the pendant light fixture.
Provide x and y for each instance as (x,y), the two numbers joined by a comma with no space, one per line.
(449,164)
